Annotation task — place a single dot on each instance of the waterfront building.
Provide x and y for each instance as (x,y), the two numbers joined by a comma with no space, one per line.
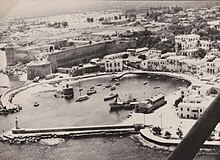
(213,67)
(174,63)
(134,62)
(149,105)
(115,65)
(38,69)
(195,66)
(195,100)
(154,64)
(192,110)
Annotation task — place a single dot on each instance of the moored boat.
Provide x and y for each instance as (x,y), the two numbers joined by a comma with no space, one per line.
(92,87)
(111,96)
(82,98)
(108,86)
(36,104)
(156,87)
(117,105)
(99,84)
(113,88)
(145,82)
(91,91)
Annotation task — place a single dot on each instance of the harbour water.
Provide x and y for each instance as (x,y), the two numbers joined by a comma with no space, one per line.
(58,112)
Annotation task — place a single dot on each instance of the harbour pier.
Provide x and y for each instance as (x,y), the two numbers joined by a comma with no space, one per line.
(25,136)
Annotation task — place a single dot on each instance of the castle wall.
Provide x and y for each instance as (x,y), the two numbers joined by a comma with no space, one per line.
(83,54)
(38,70)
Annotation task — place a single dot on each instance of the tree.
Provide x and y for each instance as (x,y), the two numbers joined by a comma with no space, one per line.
(179,133)
(124,56)
(201,53)
(167,134)
(65,24)
(156,130)
(142,56)
(180,99)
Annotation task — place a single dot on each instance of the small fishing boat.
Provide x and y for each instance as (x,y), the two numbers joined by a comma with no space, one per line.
(111,96)
(36,79)
(82,98)
(91,91)
(99,84)
(113,88)
(156,87)
(145,82)
(36,104)
(108,86)
(92,87)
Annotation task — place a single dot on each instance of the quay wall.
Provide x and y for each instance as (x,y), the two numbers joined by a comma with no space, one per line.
(83,54)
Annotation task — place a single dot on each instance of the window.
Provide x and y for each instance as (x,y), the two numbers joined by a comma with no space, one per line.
(181,109)
(187,109)
(200,110)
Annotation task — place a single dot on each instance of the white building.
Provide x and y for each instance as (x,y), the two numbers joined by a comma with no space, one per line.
(174,63)
(195,100)
(153,53)
(195,66)
(154,64)
(206,45)
(115,65)
(214,66)
(116,55)
(184,42)
(193,110)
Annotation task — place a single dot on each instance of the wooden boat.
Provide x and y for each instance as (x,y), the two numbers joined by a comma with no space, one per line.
(117,83)
(91,91)
(82,98)
(36,104)
(113,88)
(108,86)
(156,87)
(145,82)
(99,84)
(92,87)
(111,96)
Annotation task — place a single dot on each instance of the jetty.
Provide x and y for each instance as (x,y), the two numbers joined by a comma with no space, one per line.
(27,135)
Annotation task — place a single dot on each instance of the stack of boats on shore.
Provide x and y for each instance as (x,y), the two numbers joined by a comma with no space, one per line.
(144,106)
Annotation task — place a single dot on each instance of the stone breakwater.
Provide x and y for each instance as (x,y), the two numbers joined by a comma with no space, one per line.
(25,136)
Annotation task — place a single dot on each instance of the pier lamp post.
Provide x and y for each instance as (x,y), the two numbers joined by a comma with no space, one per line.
(161,121)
